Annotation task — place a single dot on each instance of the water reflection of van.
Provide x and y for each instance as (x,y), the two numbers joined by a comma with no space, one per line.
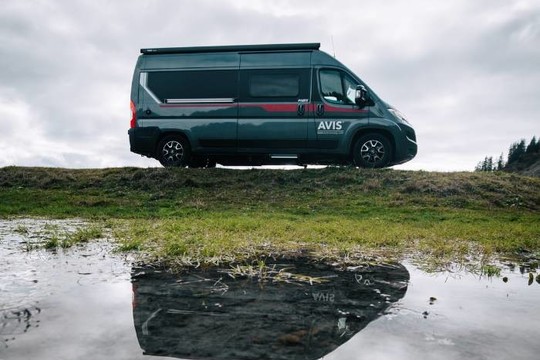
(260,104)
(207,314)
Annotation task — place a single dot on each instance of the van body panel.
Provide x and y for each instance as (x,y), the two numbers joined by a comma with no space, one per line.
(319,58)
(276,60)
(259,104)
(274,95)
(275,127)
(192,61)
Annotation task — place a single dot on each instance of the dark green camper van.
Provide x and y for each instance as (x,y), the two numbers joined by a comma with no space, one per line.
(260,104)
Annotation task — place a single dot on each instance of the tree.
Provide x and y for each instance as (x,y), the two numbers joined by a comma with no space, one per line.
(532,147)
(500,163)
(516,151)
(489,164)
(478,167)
(486,165)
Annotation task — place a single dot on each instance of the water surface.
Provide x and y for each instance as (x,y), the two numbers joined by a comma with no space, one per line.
(90,303)
(292,309)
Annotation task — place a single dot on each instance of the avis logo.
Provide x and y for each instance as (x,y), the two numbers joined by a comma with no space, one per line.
(330,125)
(323,297)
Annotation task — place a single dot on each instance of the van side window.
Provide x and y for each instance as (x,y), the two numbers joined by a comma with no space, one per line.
(190,85)
(283,85)
(337,87)
(274,85)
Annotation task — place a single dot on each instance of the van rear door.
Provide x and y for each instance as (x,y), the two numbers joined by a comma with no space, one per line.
(200,103)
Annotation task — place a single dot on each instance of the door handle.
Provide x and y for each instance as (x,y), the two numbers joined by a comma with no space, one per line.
(301,110)
(320,109)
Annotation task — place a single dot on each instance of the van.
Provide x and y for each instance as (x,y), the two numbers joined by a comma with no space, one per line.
(258,105)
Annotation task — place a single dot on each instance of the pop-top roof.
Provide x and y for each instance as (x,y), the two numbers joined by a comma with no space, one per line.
(232,48)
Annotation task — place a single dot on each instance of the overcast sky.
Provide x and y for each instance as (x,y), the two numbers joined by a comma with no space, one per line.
(465,72)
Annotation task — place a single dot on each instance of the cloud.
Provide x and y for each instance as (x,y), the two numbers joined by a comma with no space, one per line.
(23,141)
(464,72)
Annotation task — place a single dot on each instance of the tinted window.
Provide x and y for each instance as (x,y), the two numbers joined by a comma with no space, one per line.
(193,84)
(274,85)
(337,87)
(285,85)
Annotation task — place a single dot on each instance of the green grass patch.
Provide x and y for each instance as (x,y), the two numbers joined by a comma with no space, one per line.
(225,236)
(59,238)
(212,215)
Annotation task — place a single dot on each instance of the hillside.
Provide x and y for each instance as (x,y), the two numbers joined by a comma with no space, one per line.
(527,164)
(209,215)
(455,190)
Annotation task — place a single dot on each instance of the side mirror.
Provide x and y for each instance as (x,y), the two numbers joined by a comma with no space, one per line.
(362,98)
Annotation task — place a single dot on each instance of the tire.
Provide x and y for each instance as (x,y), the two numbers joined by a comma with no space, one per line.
(372,151)
(173,151)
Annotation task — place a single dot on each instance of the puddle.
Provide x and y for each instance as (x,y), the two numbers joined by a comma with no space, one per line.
(211,315)
(90,303)
(456,315)
(60,304)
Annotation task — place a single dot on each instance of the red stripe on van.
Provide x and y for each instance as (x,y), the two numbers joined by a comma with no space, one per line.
(293,107)
(270,107)
(290,107)
(220,105)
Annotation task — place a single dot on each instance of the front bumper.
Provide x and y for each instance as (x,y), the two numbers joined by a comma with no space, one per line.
(407,148)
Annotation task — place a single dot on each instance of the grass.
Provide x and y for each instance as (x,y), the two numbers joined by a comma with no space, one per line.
(264,273)
(491,270)
(52,235)
(58,238)
(192,216)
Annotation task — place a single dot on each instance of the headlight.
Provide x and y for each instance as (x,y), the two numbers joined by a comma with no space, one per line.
(399,116)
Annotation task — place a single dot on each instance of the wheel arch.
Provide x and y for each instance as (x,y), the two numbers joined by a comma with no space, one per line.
(364,131)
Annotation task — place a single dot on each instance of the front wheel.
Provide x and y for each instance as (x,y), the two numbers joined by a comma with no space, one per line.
(372,151)
(173,151)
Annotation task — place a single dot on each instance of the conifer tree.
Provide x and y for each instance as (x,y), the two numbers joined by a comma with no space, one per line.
(532,147)
(500,163)
(516,151)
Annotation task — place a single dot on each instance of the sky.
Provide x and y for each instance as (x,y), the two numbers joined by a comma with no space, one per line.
(465,73)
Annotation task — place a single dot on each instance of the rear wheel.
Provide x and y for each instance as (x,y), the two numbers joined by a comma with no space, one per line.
(372,151)
(173,151)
